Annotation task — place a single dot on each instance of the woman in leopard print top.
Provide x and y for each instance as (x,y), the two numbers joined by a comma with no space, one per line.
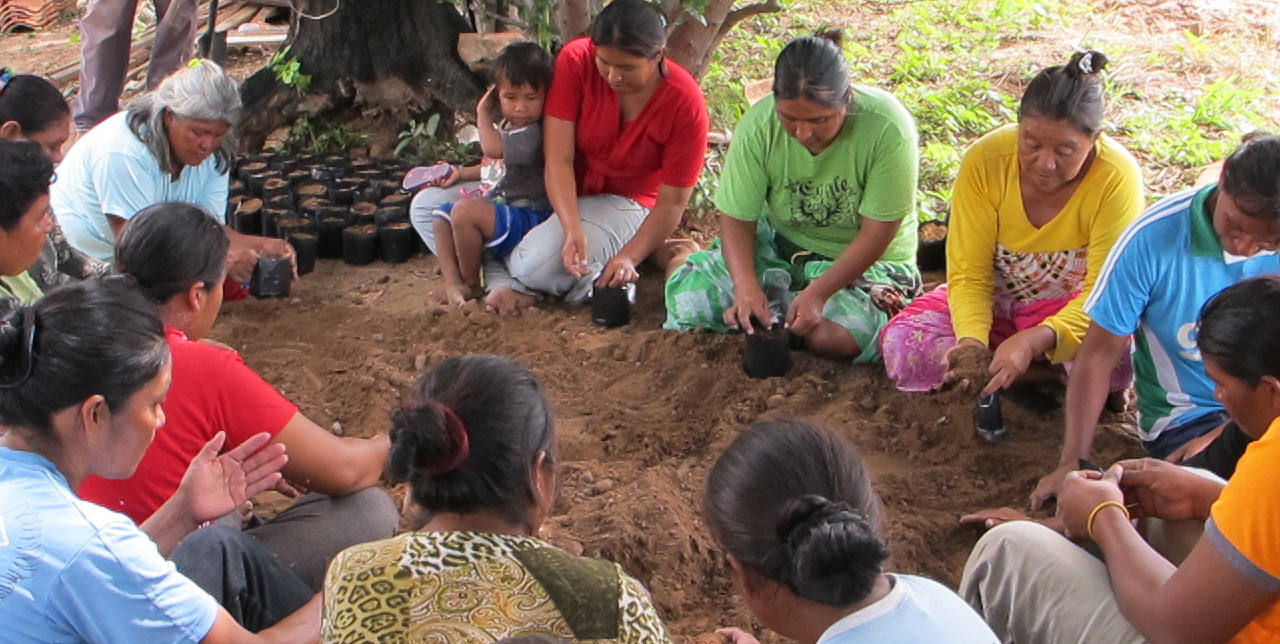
(476,442)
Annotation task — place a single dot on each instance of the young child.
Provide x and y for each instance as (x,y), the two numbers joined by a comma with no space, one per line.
(498,220)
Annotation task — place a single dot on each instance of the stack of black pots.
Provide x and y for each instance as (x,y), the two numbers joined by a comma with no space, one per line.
(329,207)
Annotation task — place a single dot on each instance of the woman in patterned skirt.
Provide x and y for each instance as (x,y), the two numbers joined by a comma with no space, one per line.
(476,443)
(1035,209)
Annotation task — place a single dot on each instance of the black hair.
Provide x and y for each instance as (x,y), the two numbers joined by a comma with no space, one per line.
(97,337)
(1240,331)
(33,102)
(507,420)
(523,63)
(1251,175)
(170,246)
(1071,93)
(793,503)
(24,177)
(813,68)
(633,27)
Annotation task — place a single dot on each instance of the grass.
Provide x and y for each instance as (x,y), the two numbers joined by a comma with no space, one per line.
(1176,100)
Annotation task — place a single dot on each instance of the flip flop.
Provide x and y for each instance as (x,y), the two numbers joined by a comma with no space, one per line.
(426,175)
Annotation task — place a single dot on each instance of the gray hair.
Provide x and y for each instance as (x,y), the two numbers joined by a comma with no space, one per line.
(201,91)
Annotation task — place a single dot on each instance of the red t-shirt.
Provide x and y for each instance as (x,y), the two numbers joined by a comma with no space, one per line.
(666,143)
(212,391)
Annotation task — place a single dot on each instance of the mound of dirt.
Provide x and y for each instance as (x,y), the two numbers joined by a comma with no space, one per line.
(642,414)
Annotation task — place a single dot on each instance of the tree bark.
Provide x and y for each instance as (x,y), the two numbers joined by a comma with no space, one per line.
(693,43)
(382,60)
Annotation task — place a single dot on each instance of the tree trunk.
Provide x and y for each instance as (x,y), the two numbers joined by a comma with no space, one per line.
(693,43)
(378,60)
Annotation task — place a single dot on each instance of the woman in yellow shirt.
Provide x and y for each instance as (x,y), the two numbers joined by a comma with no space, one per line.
(1035,209)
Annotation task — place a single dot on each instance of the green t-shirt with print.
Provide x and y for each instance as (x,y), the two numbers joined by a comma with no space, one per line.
(818,202)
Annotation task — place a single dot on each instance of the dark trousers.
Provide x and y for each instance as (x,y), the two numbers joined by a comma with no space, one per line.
(262,574)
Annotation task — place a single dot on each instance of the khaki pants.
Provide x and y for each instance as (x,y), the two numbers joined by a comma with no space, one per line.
(107,33)
(1032,585)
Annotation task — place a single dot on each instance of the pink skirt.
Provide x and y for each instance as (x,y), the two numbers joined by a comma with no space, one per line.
(915,341)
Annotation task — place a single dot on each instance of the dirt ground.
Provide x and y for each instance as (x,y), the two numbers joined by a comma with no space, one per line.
(643,412)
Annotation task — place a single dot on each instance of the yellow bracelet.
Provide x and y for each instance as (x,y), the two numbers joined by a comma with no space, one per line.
(1093,515)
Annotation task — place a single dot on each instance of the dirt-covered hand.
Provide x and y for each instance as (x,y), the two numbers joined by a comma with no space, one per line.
(967,364)
(1009,361)
(749,302)
(1049,486)
(805,312)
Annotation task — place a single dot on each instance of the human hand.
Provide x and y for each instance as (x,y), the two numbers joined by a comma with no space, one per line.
(241,258)
(1049,486)
(749,302)
(272,247)
(966,364)
(449,178)
(736,636)
(993,517)
(805,312)
(485,104)
(1166,491)
(214,484)
(618,271)
(574,252)
(1194,446)
(1009,361)
(1082,492)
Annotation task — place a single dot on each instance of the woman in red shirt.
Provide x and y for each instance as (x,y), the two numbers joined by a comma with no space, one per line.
(625,135)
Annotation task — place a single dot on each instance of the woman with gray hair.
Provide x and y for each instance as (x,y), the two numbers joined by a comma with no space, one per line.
(171,144)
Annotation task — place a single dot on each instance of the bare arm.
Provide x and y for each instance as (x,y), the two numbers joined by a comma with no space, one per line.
(302,627)
(490,140)
(1086,394)
(738,244)
(329,464)
(558,141)
(806,309)
(655,229)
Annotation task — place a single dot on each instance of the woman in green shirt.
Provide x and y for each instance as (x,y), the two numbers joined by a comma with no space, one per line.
(817,205)
(25,173)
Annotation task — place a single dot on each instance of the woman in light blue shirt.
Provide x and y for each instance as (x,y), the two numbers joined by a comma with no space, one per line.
(171,144)
(793,508)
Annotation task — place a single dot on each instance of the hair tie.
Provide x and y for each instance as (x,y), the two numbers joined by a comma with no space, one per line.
(1086,63)
(27,348)
(460,442)
(6,75)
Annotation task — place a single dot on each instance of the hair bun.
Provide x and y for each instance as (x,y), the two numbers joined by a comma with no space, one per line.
(834,36)
(834,552)
(1087,63)
(418,440)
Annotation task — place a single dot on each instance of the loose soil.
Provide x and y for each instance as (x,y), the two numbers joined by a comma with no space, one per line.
(643,412)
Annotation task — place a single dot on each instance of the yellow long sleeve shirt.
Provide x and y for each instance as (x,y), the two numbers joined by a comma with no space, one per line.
(993,251)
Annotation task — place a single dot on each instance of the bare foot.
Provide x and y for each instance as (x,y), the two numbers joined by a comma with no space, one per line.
(508,300)
(672,253)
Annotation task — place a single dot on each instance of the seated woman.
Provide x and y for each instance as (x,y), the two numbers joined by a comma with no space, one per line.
(24,217)
(793,507)
(171,144)
(1034,211)
(1226,588)
(476,442)
(176,252)
(625,136)
(32,109)
(82,377)
(817,204)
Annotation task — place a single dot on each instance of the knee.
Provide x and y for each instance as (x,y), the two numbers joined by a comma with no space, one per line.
(371,513)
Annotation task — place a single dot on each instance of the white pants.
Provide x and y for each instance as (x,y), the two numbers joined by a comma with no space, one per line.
(608,221)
